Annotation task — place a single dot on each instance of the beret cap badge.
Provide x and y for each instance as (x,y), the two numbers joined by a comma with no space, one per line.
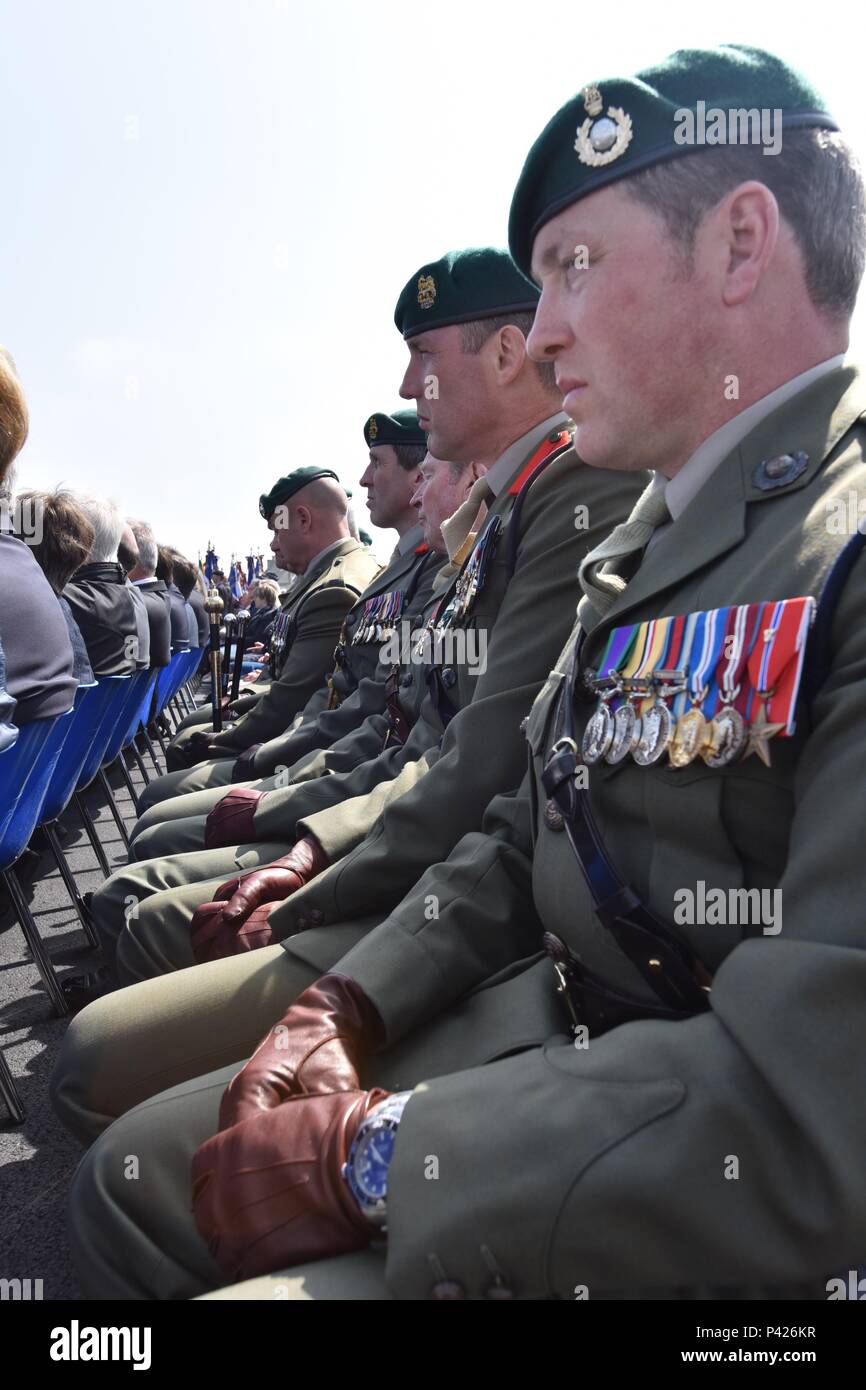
(426,291)
(601,139)
(373,427)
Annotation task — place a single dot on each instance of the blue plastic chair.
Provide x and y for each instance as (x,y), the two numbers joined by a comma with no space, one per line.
(122,734)
(91,726)
(26,770)
(119,687)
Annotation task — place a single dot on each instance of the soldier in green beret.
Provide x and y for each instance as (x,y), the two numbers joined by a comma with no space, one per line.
(663,1107)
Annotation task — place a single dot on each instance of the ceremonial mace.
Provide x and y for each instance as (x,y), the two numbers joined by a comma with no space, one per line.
(242,617)
(214,606)
(229,621)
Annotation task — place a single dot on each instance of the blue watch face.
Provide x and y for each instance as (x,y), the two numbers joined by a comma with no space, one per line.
(370,1166)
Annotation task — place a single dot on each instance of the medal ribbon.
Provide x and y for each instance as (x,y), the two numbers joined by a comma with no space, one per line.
(621,641)
(654,649)
(776,661)
(692,638)
(740,625)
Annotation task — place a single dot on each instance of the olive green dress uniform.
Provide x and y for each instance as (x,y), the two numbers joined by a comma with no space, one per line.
(312,619)
(106,1064)
(604,1166)
(412,568)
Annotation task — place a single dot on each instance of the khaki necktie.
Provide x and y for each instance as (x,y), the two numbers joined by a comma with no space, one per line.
(601,587)
(460,530)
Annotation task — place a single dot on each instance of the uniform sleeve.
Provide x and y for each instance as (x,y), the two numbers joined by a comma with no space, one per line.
(720,1153)
(321,728)
(305,669)
(483,751)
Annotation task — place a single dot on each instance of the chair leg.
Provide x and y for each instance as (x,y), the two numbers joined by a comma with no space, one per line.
(124,772)
(112,805)
(148,743)
(87,822)
(71,886)
(34,941)
(10,1096)
(139,762)
(182,701)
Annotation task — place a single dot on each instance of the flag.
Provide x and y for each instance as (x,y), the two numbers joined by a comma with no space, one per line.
(235,580)
(211,563)
(251,574)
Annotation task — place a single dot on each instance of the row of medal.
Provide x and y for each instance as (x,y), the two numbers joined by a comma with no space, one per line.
(715,685)
(379,617)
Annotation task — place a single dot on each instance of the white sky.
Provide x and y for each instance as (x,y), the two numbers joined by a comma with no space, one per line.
(211,206)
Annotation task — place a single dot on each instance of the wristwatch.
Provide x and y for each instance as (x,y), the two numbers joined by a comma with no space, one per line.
(366,1169)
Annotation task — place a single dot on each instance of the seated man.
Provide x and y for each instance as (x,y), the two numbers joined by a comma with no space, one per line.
(153,592)
(176,602)
(307,513)
(680,746)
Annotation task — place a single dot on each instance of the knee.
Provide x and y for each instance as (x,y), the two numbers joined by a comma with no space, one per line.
(75,1069)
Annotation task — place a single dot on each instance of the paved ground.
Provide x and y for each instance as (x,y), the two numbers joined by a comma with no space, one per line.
(37,1159)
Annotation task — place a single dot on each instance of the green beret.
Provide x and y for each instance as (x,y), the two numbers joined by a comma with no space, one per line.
(695,99)
(480,283)
(365,538)
(284,488)
(400,428)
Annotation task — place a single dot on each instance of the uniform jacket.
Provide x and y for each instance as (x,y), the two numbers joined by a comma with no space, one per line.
(313,614)
(609,1166)
(410,572)
(420,816)
(196,603)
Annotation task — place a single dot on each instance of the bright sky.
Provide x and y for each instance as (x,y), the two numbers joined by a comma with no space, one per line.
(211,206)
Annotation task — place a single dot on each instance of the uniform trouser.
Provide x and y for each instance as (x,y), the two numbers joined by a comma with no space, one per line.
(143,913)
(132,1230)
(215,772)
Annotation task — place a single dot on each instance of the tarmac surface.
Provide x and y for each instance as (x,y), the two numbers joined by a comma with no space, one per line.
(38,1158)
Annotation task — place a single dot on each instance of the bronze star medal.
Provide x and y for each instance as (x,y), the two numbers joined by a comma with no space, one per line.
(760,732)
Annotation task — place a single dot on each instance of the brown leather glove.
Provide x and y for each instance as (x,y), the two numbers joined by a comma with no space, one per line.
(270,1193)
(231,820)
(211,939)
(319,1046)
(224,927)
(243,770)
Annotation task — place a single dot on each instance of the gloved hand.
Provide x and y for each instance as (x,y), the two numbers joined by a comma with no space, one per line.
(243,770)
(224,927)
(271,1193)
(231,820)
(198,746)
(211,939)
(319,1046)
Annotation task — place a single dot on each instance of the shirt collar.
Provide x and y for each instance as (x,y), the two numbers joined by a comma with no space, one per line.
(410,540)
(680,489)
(505,466)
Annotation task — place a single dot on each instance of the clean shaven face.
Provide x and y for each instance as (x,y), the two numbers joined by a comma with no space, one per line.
(625,332)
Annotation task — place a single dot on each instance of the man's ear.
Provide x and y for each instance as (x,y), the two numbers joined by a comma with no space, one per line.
(304,518)
(748,224)
(509,353)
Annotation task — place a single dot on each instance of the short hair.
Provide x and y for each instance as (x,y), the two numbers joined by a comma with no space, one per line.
(184,572)
(164,566)
(410,456)
(475,333)
(66,536)
(148,553)
(14,417)
(817,182)
(266,590)
(107,522)
(127,554)
(456,470)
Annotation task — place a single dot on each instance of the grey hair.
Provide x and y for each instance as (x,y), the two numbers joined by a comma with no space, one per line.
(106,519)
(148,551)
